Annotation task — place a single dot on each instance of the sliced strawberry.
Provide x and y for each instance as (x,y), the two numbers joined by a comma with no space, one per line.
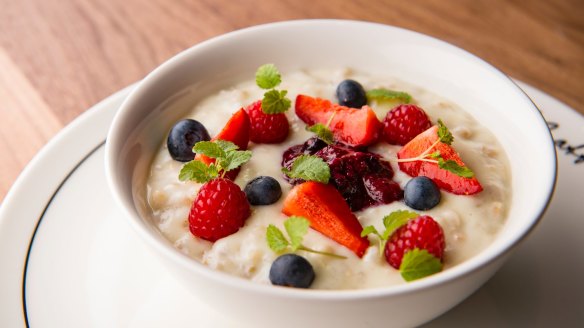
(237,131)
(352,126)
(446,180)
(328,214)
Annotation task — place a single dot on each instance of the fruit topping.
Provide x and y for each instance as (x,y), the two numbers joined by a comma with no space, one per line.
(236,131)
(266,128)
(355,127)
(263,190)
(423,234)
(404,123)
(268,122)
(328,214)
(413,244)
(219,210)
(350,93)
(220,207)
(421,193)
(430,154)
(291,270)
(183,136)
(362,178)
(381,189)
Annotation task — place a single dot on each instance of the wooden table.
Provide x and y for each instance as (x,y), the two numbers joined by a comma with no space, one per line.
(58,58)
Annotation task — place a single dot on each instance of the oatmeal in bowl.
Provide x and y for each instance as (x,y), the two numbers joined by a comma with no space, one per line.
(369,171)
(348,182)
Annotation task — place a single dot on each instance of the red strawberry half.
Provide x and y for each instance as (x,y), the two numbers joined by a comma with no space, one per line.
(219,210)
(446,180)
(328,214)
(422,232)
(266,128)
(237,131)
(352,126)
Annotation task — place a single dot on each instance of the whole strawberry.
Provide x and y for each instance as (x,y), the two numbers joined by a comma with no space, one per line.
(221,207)
(219,210)
(404,123)
(266,128)
(421,233)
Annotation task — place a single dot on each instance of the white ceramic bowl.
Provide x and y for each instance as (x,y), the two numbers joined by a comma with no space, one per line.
(490,96)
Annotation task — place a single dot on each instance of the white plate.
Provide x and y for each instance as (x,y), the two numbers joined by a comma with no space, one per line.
(68,258)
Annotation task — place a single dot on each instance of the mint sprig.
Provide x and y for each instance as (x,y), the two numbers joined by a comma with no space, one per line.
(419,263)
(388,95)
(309,168)
(275,101)
(296,227)
(227,157)
(391,222)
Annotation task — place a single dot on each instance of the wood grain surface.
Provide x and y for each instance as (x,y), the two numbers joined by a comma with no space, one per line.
(58,58)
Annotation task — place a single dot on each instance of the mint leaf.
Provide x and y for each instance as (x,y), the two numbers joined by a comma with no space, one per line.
(384,94)
(369,230)
(275,102)
(226,156)
(276,240)
(296,227)
(418,264)
(235,159)
(444,134)
(268,76)
(209,149)
(198,171)
(322,132)
(226,145)
(452,166)
(395,220)
(309,168)
(391,222)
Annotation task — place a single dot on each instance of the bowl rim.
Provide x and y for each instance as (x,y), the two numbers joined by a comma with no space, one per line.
(487,256)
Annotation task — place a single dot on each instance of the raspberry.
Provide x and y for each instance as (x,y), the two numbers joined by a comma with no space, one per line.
(404,123)
(219,210)
(266,128)
(422,232)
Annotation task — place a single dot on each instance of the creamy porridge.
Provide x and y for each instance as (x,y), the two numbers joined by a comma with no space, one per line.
(470,223)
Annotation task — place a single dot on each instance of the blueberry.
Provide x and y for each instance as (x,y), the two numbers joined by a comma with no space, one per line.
(183,136)
(263,190)
(291,270)
(351,94)
(421,193)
